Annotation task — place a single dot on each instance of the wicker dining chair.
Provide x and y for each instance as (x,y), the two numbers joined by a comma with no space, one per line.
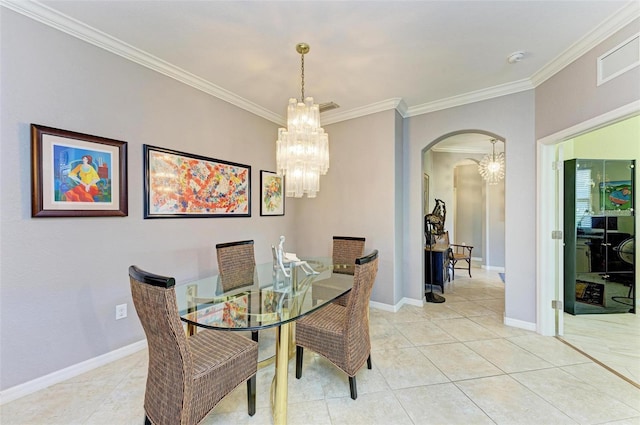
(236,264)
(341,334)
(236,267)
(345,250)
(187,376)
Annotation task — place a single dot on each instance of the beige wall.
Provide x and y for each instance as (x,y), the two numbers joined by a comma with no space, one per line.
(571,96)
(357,196)
(511,118)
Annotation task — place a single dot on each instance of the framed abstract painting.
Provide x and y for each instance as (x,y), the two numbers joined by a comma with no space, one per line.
(271,193)
(77,175)
(184,185)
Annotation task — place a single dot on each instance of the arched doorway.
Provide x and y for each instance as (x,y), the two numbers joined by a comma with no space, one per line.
(475,210)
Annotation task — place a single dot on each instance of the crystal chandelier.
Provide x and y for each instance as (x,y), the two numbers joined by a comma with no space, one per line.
(302,149)
(491,168)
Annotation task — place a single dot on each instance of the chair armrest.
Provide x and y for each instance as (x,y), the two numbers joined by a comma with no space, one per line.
(468,248)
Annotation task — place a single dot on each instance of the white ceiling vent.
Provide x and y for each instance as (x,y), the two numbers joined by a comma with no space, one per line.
(619,60)
(324,107)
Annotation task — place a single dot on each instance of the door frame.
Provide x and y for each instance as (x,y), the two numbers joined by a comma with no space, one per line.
(549,258)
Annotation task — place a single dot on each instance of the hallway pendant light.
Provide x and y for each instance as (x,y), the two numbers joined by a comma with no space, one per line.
(491,168)
(302,149)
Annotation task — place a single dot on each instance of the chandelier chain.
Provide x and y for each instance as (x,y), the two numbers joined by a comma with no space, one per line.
(302,68)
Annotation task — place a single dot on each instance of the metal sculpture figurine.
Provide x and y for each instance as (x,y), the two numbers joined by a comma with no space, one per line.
(436,220)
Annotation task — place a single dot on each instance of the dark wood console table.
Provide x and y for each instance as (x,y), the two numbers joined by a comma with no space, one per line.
(441,263)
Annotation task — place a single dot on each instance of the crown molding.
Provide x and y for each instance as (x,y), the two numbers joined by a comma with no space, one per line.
(384,105)
(475,96)
(75,28)
(82,31)
(615,22)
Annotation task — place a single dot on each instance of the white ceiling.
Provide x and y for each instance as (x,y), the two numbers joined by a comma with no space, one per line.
(417,54)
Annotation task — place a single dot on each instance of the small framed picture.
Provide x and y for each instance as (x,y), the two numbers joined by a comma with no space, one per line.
(271,193)
(184,185)
(77,175)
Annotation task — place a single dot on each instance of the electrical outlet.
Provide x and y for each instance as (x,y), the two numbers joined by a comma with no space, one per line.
(121,311)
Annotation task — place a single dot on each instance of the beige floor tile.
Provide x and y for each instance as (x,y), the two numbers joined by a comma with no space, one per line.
(458,362)
(407,367)
(309,413)
(508,402)
(469,308)
(368,409)
(423,333)
(385,335)
(237,417)
(495,305)
(495,323)
(507,356)
(581,401)
(318,372)
(408,313)
(630,421)
(440,311)
(440,404)
(606,382)
(464,329)
(453,297)
(550,349)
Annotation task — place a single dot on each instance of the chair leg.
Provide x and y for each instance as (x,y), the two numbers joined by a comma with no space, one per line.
(254,335)
(251,395)
(369,362)
(469,261)
(353,388)
(299,354)
(146,420)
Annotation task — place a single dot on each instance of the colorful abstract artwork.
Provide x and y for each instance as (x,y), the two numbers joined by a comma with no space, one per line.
(227,314)
(271,193)
(179,184)
(617,195)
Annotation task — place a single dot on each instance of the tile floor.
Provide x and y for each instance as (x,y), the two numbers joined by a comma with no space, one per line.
(613,339)
(450,363)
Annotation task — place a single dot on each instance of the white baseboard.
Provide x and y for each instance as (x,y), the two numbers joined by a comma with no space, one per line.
(496,268)
(43,382)
(529,326)
(395,308)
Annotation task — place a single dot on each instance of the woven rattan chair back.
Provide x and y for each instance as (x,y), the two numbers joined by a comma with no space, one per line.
(187,377)
(345,251)
(236,264)
(358,342)
(339,333)
(170,360)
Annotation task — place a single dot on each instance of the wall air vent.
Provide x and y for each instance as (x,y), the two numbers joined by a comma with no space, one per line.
(620,59)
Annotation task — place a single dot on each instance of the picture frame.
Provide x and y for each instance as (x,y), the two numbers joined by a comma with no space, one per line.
(77,175)
(425,193)
(184,185)
(231,313)
(271,193)
(617,195)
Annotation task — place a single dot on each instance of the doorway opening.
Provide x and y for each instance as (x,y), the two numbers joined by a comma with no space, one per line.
(475,209)
(551,153)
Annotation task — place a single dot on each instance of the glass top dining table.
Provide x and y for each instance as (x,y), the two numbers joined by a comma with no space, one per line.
(268,300)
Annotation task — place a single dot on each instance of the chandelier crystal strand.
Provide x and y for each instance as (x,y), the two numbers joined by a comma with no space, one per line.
(491,168)
(302,149)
